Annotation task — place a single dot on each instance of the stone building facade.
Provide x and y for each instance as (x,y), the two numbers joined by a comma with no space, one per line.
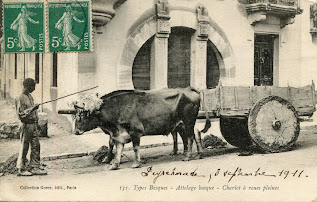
(150,44)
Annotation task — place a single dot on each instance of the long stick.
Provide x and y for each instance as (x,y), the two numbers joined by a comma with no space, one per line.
(68,95)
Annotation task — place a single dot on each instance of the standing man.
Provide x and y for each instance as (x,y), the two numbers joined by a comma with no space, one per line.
(29,133)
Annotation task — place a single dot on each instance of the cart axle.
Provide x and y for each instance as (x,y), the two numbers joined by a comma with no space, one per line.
(276,124)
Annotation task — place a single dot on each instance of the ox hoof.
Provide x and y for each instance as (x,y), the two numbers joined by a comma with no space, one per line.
(106,160)
(199,156)
(187,158)
(136,165)
(173,153)
(114,166)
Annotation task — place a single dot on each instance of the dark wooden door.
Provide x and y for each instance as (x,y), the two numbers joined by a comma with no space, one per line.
(263,60)
(213,73)
(141,67)
(179,57)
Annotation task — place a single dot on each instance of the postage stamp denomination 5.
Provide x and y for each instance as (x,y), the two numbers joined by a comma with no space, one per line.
(69,26)
(24,29)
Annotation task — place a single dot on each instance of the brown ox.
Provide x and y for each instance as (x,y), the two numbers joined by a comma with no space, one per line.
(128,115)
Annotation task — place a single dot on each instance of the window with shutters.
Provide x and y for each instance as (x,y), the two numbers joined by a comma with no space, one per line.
(1,55)
(15,66)
(37,67)
(54,79)
(1,62)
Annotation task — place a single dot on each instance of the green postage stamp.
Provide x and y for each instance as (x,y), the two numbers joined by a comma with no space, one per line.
(23,26)
(69,26)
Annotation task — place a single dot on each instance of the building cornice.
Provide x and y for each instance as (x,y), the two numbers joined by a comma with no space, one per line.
(258,10)
(104,10)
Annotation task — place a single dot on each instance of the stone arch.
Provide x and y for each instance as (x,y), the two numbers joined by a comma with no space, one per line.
(218,38)
(183,18)
(134,42)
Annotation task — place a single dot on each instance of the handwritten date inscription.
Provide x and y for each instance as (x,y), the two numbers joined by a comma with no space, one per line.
(229,175)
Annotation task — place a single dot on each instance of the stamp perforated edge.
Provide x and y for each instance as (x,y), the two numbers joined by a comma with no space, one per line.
(91,49)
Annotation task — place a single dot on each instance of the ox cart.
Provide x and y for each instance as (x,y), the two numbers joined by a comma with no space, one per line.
(266,117)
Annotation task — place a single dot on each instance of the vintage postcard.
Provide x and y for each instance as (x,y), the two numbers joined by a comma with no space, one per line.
(158,100)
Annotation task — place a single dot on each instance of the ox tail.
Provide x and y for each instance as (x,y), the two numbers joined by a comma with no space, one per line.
(207,124)
(193,89)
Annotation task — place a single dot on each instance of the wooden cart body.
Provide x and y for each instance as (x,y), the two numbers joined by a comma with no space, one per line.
(237,101)
(266,117)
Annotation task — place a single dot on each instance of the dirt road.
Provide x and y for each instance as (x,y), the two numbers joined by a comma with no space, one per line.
(221,176)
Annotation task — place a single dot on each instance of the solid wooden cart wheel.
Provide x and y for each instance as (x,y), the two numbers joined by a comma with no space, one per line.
(235,131)
(273,124)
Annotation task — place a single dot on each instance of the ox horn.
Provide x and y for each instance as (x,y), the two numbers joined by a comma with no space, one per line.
(67,111)
(78,107)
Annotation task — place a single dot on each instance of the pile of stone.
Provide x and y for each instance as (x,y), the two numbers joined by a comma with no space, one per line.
(213,142)
(9,130)
(9,167)
(101,154)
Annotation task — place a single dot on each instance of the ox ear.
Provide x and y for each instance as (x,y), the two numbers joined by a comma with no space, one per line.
(97,95)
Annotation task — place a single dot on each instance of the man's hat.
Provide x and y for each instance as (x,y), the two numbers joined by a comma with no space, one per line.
(28,82)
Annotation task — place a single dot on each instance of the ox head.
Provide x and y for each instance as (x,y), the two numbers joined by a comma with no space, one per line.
(86,111)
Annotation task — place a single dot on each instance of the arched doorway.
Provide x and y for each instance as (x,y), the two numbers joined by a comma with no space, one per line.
(179,61)
(148,28)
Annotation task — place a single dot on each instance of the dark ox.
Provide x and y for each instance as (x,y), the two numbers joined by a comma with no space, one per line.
(127,115)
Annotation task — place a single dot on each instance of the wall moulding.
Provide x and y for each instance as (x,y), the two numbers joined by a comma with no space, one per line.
(203,23)
(163,15)
(258,10)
